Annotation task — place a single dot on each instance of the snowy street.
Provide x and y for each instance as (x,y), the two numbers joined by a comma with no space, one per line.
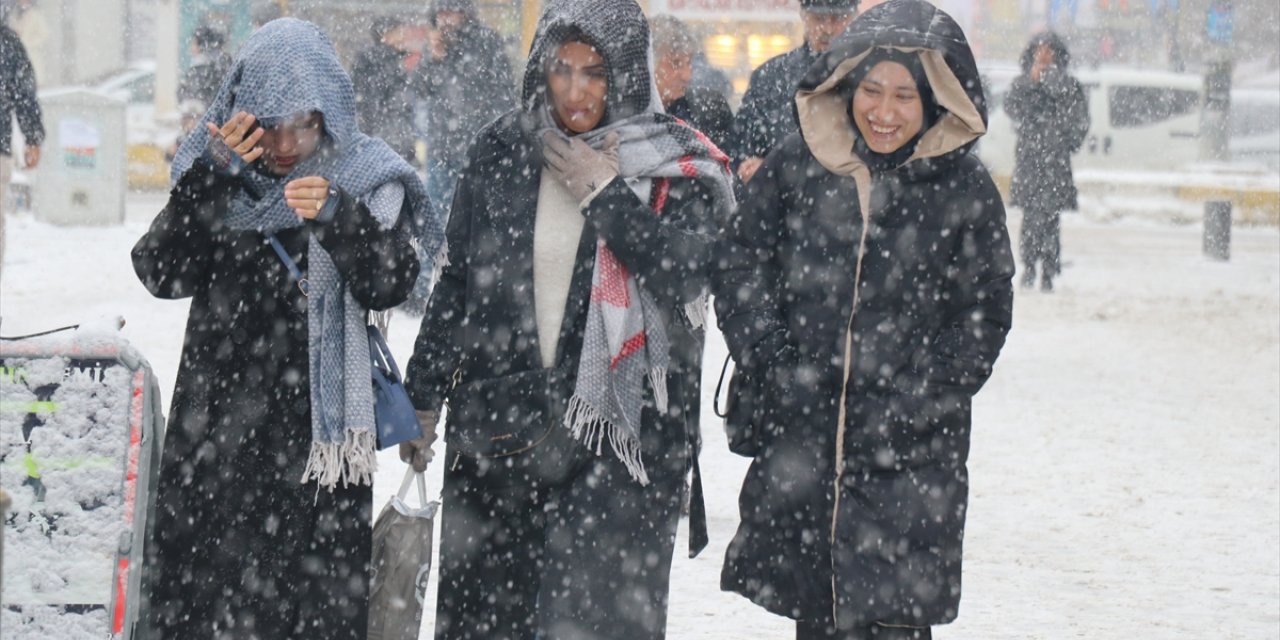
(1126,456)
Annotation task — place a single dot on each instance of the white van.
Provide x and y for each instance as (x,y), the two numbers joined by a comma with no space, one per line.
(1142,120)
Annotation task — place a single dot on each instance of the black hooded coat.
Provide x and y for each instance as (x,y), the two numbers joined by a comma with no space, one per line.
(1051,118)
(531,543)
(862,506)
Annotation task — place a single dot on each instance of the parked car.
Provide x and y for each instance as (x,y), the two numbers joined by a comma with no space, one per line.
(1141,120)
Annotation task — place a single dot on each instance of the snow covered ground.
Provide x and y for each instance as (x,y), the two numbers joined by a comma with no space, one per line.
(1126,456)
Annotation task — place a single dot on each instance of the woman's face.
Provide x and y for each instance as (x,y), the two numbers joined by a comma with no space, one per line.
(579,83)
(291,142)
(887,108)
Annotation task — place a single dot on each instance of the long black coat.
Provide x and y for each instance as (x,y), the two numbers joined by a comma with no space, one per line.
(1051,119)
(868,511)
(384,102)
(240,544)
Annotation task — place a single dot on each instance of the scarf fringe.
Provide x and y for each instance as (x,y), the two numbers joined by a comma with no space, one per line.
(587,426)
(438,263)
(658,381)
(352,461)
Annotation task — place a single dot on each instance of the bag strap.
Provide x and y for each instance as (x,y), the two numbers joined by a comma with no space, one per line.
(715,400)
(409,476)
(289,264)
(381,355)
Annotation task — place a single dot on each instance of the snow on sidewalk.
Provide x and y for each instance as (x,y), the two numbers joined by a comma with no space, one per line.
(1126,457)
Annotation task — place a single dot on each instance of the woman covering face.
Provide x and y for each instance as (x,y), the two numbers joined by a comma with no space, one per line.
(286,226)
(562,337)
(864,292)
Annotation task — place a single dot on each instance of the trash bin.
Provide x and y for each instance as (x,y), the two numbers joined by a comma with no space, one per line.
(81,176)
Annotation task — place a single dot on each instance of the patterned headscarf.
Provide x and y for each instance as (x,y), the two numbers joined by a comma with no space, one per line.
(287,68)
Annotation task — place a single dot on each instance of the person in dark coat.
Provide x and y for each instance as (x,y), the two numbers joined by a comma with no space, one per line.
(767,114)
(384,102)
(865,288)
(579,243)
(674,49)
(263,504)
(17,97)
(209,65)
(1050,116)
(463,82)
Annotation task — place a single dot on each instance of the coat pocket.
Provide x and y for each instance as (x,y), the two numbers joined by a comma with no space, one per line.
(743,423)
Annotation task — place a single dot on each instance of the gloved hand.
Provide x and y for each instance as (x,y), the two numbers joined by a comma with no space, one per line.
(577,166)
(417,452)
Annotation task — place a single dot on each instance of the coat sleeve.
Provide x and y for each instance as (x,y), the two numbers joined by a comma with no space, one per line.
(1015,104)
(172,259)
(378,265)
(960,357)
(752,123)
(23,94)
(669,253)
(1076,120)
(437,351)
(746,282)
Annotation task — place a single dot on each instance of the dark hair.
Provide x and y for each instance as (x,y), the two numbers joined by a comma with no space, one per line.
(1061,54)
(207,38)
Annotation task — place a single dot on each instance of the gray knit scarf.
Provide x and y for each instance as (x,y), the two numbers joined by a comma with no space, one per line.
(626,337)
(289,67)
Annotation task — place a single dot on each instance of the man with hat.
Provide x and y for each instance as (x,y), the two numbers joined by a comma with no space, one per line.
(767,115)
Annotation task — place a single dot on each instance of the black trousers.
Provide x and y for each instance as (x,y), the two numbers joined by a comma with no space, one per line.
(588,558)
(1041,241)
(825,630)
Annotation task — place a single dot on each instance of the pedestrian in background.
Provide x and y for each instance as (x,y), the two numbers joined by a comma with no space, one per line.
(1050,116)
(674,50)
(865,285)
(579,242)
(209,64)
(384,102)
(285,226)
(463,82)
(767,114)
(17,98)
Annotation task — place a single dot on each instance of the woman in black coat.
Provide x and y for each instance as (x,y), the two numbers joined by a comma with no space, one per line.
(579,243)
(864,292)
(1050,114)
(262,523)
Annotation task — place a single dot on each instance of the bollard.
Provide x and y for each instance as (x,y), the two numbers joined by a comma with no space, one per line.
(1217,229)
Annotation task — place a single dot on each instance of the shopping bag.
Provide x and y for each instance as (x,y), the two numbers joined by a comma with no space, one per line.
(401,563)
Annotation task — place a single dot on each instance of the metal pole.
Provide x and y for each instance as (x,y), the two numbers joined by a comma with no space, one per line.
(1217,230)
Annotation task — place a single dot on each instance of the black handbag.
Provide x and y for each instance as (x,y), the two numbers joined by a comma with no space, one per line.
(743,415)
(514,422)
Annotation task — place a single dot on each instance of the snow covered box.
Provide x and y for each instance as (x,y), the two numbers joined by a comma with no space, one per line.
(80,432)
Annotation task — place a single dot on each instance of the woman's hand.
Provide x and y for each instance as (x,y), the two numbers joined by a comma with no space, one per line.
(237,136)
(306,196)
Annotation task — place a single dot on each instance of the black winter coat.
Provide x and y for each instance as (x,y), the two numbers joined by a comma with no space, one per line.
(236,533)
(864,508)
(708,112)
(464,91)
(384,103)
(480,330)
(1051,119)
(767,112)
(17,93)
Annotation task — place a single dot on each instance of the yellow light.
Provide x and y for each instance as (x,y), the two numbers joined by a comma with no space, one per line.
(762,47)
(722,50)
